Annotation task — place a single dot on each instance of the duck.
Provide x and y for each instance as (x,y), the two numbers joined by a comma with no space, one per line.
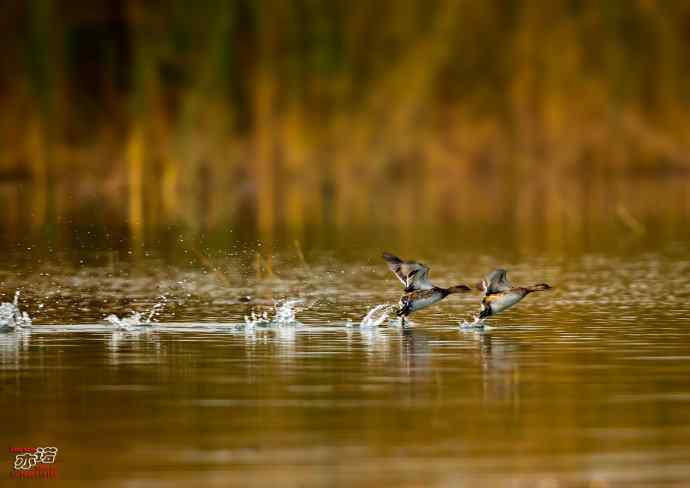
(419,291)
(499,294)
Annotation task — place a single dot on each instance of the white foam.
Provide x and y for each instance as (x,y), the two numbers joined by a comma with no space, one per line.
(11,317)
(477,323)
(285,314)
(137,319)
(376,316)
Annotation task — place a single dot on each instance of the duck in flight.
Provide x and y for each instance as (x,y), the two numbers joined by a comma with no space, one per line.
(500,295)
(419,292)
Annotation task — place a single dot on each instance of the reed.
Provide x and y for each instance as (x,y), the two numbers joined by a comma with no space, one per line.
(299,112)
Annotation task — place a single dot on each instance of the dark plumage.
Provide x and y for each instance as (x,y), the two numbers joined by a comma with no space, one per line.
(416,300)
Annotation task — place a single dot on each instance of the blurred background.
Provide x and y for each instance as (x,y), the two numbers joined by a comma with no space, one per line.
(555,124)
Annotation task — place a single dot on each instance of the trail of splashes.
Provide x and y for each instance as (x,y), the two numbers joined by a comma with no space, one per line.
(285,314)
(11,317)
(157,307)
(376,316)
(135,319)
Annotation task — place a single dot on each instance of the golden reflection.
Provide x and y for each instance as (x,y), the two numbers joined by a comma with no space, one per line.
(500,368)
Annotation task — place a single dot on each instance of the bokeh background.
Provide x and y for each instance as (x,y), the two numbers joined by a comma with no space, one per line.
(232,170)
(554,124)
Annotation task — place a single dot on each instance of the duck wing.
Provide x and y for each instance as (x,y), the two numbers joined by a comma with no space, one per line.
(496,282)
(412,274)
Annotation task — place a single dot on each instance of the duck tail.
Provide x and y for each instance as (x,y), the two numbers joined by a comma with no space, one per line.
(459,289)
(538,287)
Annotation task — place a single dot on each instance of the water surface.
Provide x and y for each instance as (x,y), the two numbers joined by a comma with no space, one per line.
(588,385)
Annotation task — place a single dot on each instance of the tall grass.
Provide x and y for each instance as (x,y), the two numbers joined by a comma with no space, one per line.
(300,111)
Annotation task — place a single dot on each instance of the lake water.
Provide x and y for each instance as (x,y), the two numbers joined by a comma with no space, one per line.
(587,385)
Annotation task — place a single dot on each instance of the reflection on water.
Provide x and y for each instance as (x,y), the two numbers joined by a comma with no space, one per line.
(586,386)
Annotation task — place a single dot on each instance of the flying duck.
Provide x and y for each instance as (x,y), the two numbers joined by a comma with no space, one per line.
(419,292)
(500,295)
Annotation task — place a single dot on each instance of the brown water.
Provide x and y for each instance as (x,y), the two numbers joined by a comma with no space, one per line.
(588,385)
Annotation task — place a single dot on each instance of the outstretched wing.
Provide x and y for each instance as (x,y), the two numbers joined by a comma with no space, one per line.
(496,282)
(395,265)
(412,274)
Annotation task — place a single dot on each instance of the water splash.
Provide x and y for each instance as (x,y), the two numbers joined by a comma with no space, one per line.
(376,316)
(285,314)
(11,317)
(477,323)
(135,319)
(286,311)
(257,320)
(156,308)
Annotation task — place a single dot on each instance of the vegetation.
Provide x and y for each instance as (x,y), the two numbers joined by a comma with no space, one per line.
(299,110)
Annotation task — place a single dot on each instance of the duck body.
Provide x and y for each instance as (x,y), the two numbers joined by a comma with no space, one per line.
(498,302)
(419,299)
(500,296)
